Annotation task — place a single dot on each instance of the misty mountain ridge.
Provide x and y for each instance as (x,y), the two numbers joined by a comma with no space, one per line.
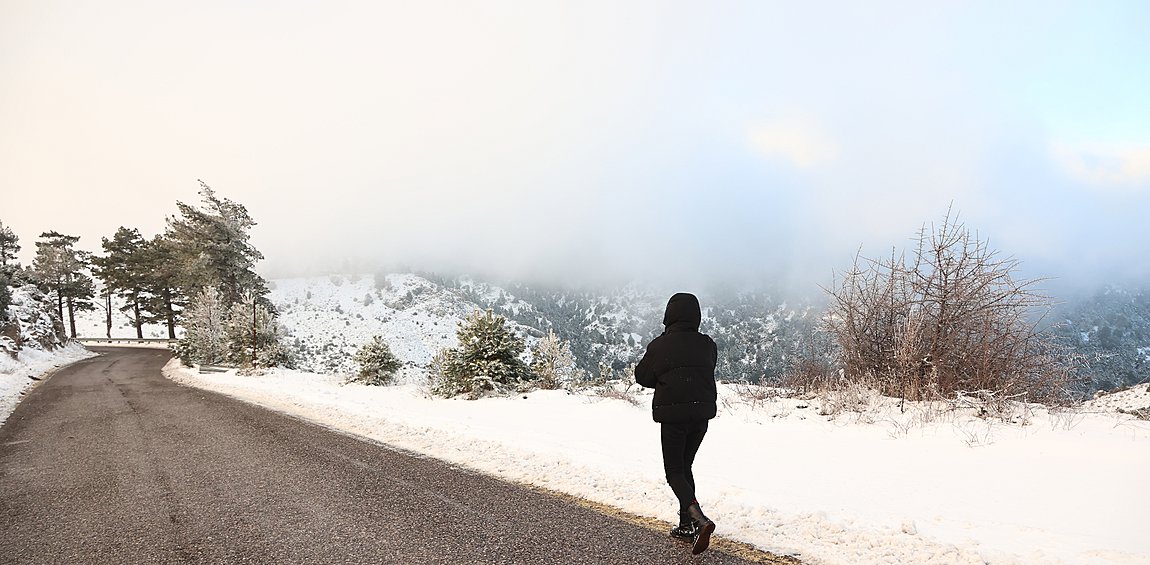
(759,333)
(328,318)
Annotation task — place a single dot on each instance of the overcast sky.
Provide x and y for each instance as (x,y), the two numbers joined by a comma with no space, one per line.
(587,141)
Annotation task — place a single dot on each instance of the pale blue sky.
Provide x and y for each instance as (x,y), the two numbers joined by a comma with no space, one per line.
(670,141)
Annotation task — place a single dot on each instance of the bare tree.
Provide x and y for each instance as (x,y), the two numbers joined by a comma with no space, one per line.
(952,318)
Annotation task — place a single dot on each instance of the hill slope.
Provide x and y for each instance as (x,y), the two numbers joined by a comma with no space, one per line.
(328,318)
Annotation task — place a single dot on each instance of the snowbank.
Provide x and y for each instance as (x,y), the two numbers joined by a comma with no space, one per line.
(35,338)
(883,486)
(17,375)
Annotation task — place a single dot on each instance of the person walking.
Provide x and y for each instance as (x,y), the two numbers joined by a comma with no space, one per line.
(680,366)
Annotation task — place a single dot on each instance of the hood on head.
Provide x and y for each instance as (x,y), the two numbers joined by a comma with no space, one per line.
(683,309)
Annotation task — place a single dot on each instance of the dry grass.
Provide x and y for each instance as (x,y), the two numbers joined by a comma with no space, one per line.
(612,390)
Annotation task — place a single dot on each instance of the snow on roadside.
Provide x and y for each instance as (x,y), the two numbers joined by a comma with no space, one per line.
(16,374)
(1062,489)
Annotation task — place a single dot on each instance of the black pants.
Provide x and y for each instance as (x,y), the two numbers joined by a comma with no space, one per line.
(681,442)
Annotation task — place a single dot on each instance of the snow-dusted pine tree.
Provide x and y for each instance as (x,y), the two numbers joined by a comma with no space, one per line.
(552,362)
(205,321)
(60,269)
(214,248)
(5,297)
(377,365)
(487,359)
(124,273)
(9,247)
(446,376)
(165,297)
(253,336)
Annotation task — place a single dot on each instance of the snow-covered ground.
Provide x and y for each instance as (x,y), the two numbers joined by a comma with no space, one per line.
(18,375)
(875,486)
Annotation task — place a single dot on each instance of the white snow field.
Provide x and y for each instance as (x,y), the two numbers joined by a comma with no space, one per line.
(872,486)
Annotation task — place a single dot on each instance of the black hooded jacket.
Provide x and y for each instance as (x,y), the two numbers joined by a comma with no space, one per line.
(680,365)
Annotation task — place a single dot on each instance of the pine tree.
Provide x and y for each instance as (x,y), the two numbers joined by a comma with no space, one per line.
(125,273)
(204,340)
(60,269)
(487,358)
(9,247)
(165,299)
(253,336)
(552,362)
(5,297)
(106,294)
(213,245)
(377,364)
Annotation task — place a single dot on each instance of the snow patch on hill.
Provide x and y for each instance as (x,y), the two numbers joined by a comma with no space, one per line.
(329,318)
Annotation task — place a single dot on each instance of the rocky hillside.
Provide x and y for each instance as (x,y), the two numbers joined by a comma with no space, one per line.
(1110,330)
(30,322)
(328,318)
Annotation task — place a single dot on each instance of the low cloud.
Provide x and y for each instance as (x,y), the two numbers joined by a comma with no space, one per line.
(573,141)
(803,144)
(1107,166)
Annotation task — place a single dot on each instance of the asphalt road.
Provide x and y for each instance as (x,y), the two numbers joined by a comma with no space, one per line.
(109,462)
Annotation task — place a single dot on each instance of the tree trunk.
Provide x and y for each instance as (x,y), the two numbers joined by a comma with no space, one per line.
(108,311)
(139,324)
(71,318)
(60,303)
(253,330)
(170,314)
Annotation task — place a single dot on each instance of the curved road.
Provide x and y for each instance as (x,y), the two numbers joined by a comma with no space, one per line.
(109,462)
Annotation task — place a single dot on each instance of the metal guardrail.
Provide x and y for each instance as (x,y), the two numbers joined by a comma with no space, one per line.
(127,339)
(149,341)
(99,340)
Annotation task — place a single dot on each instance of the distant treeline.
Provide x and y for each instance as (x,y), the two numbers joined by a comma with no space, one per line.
(204,251)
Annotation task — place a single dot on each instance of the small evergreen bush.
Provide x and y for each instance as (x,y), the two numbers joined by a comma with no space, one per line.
(553,364)
(487,359)
(377,365)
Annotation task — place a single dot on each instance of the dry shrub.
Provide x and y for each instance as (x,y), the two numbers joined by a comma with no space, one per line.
(756,396)
(950,318)
(612,389)
(810,375)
